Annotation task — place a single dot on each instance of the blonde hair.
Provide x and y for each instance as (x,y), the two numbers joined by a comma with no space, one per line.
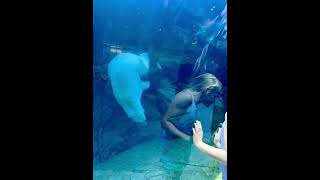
(205,81)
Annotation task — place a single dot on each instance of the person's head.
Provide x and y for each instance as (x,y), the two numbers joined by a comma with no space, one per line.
(154,61)
(209,86)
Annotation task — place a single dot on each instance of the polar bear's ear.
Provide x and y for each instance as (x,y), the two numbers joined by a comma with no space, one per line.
(145,55)
(145,59)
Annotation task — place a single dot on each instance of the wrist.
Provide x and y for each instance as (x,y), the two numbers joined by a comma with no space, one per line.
(198,143)
(187,138)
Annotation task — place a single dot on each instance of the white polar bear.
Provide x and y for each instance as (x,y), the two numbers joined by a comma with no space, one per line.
(125,71)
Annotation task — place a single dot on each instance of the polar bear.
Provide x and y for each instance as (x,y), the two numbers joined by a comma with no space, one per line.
(125,71)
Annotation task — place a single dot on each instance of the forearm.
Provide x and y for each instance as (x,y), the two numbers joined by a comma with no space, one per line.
(216,153)
(176,131)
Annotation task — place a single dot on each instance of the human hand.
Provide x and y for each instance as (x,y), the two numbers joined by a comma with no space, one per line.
(216,139)
(197,133)
(104,76)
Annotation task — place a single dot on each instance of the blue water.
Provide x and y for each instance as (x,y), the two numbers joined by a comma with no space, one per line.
(166,29)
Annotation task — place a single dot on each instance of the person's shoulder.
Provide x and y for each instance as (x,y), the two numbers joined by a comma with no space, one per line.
(183,99)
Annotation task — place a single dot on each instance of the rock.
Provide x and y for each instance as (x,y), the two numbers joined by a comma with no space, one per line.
(142,162)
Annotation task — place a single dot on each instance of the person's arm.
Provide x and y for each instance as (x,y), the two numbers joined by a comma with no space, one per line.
(180,100)
(216,153)
(225,134)
(176,131)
